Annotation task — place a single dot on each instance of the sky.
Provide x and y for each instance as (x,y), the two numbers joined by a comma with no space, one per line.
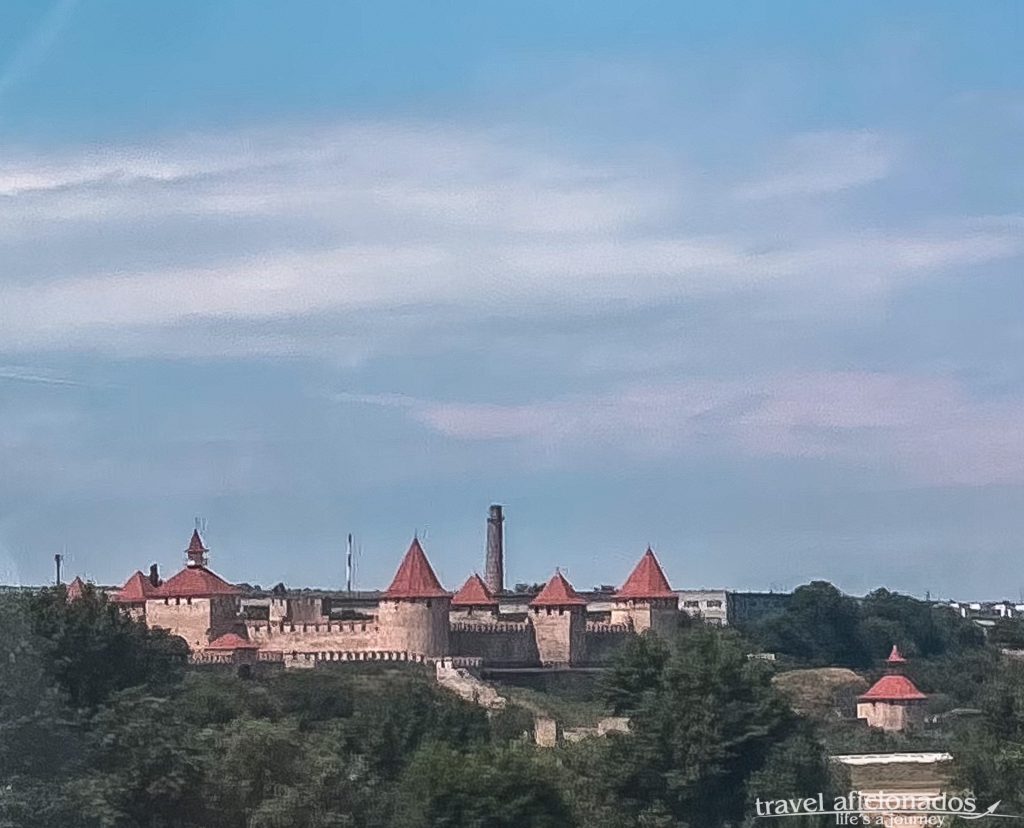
(741,282)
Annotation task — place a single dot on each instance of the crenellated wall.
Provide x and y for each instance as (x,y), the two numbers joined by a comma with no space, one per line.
(658,614)
(197,620)
(603,640)
(508,643)
(286,637)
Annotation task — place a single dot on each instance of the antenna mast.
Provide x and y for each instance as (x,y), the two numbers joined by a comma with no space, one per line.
(348,565)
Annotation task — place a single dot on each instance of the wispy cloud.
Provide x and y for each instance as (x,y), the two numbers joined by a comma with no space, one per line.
(823,162)
(930,431)
(15,373)
(252,227)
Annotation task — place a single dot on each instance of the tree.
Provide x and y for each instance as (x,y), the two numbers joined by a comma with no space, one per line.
(820,627)
(991,758)
(635,672)
(145,767)
(506,788)
(702,736)
(93,649)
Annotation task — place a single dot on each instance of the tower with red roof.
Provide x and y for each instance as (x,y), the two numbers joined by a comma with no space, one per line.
(133,595)
(646,601)
(413,613)
(475,600)
(195,603)
(893,703)
(559,617)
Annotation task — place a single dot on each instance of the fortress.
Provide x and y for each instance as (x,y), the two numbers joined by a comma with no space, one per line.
(414,619)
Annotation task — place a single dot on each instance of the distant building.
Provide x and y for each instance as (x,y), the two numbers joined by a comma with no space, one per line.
(726,607)
(893,702)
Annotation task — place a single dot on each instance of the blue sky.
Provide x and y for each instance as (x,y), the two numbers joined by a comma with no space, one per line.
(740,281)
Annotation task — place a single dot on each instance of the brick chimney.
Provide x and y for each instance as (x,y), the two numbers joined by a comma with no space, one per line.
(154,575)
(494,570)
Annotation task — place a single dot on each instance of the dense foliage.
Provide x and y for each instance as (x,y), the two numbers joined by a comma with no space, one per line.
(823,627)
(103,726)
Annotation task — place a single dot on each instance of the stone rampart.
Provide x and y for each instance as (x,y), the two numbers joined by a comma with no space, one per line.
(510,643)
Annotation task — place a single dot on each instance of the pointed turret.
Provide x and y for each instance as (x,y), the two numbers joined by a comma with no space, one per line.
(559,618)
(646,581)
(135,590)
(893,702)
(895,657)
(474,594)
(413,613)
(415,577)
(558,592)
(646,601)
(76,589)
(196,552)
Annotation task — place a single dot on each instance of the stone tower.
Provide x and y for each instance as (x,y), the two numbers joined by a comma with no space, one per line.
(559,618)
(893,703)
(196,603)
(413,612)
(494,571)
(475,600)
(646,601)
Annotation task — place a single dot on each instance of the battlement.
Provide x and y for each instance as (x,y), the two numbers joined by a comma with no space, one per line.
(268,628)
(490,626)
(605,628)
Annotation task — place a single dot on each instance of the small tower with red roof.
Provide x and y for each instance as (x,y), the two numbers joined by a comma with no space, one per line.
(646,601)
(196,552)
(475,600)
(413,613)
(76,590)
(195,603)
(133,595)
(559,618)
(893,703)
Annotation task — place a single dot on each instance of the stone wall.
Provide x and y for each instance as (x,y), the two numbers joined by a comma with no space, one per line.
(560,633)
(417,626)
(197,620)
(340,636)
(660,615)
(604,640)
(891,716)
(506,643)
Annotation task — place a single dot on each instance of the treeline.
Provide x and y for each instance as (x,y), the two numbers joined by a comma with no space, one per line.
(102,725)
(823,627)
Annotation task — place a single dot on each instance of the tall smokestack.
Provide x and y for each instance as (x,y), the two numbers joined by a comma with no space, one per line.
(57,560)
(494,571)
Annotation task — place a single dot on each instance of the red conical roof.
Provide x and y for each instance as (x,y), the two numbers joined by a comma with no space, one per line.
(76,589)
(895,657)
(558,593)
(194,582)
(415,578)
(647,580)
(474,593)
(232,641)
(893,688)
(135,590)
(196,544)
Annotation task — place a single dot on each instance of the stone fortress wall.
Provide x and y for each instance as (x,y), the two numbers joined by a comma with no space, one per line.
(415,619)
(498,643)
